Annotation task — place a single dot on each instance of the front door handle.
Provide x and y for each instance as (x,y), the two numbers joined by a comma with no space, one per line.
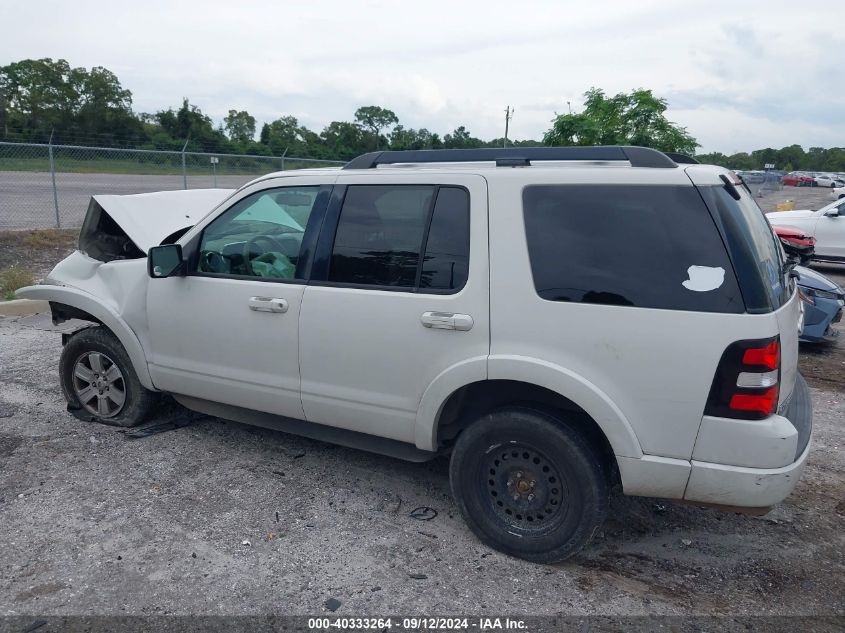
(447,321)
(268,304)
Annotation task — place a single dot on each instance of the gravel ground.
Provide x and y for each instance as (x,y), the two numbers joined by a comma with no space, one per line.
(221,518)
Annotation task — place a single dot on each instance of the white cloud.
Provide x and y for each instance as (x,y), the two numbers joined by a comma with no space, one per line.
(738,75)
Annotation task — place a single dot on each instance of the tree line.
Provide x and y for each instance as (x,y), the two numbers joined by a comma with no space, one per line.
(40,98)
(791,158)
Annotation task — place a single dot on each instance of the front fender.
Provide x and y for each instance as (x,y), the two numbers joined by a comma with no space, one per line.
(100,311)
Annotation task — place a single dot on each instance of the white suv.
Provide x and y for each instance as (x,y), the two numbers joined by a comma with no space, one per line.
(555,319)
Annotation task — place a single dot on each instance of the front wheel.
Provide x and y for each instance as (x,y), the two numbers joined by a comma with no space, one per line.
(99,382)
(528,484)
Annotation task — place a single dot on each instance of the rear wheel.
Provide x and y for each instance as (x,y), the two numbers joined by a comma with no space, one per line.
(99,382)
(528,485)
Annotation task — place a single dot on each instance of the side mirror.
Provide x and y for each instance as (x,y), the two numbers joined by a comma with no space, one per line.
(833,213)
(164,261)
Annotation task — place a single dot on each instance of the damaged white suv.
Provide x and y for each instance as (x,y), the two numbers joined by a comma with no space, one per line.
(556,319)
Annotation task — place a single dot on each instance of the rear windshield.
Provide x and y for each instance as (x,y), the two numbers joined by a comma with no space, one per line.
(757,256)
(628,245)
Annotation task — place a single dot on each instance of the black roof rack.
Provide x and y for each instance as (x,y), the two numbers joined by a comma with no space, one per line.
(682,159)
(516,156)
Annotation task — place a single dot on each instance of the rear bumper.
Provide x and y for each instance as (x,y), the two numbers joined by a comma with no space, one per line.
(742,486)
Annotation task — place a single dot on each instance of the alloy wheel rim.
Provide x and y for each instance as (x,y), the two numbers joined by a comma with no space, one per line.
(99,384)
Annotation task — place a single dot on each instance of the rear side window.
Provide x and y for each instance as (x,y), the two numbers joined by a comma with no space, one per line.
(757,256)
(383,229)
(628,245)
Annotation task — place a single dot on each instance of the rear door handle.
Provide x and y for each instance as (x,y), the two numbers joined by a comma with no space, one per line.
(447,321)
(268,304)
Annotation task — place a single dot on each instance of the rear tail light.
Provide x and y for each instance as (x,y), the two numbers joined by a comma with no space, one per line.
(747,381)
(768,356)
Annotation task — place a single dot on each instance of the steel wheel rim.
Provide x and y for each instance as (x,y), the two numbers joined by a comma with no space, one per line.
(99,385)
(524,488)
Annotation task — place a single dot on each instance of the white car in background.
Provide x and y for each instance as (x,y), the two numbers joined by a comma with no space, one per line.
(827,225)
(828,180)
(838,192)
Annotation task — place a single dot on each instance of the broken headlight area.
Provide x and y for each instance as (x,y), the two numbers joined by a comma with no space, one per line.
(102,238)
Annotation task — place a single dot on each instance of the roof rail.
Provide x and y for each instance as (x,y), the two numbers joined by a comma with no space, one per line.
(516,156)
(682,159)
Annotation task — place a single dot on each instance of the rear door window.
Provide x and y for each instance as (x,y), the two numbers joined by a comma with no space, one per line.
(383,229)
(628,245)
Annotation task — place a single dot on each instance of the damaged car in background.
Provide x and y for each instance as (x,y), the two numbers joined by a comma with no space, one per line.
(822,298)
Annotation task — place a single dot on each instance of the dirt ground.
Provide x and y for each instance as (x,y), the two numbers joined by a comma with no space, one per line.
(36,251)
(221,518)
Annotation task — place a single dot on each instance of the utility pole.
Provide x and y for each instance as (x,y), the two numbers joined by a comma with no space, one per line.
(508,116)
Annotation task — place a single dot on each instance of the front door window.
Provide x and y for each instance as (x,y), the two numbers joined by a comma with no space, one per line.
(260,236)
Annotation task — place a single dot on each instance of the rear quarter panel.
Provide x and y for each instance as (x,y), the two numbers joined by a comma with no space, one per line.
(655,366)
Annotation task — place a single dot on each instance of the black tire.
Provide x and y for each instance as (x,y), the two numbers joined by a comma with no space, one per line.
(138,401)
(506,456)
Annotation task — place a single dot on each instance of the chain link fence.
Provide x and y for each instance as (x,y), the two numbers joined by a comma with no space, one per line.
(48,186)
(762,183)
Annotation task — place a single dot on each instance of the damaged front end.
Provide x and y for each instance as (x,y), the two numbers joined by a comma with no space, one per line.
(105,280)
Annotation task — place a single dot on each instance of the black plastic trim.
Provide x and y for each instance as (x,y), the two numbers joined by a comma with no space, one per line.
(320,432)
(682,159)
(637,156)
(800,413)
(325,243)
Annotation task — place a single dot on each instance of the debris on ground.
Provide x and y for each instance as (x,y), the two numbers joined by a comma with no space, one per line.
(161,427)
(423,513)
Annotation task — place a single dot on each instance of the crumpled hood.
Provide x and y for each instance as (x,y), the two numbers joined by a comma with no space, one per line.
(812,279)
(147,218)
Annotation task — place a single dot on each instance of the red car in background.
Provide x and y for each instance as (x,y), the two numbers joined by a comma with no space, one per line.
(796,179)
(796,243)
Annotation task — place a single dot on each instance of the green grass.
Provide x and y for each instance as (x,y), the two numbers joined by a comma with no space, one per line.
(13,278)
(50,238)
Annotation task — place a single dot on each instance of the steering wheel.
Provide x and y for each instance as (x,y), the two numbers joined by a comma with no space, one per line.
(267,239)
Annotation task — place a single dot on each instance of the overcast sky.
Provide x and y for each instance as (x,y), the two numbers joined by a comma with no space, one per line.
(739,75)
